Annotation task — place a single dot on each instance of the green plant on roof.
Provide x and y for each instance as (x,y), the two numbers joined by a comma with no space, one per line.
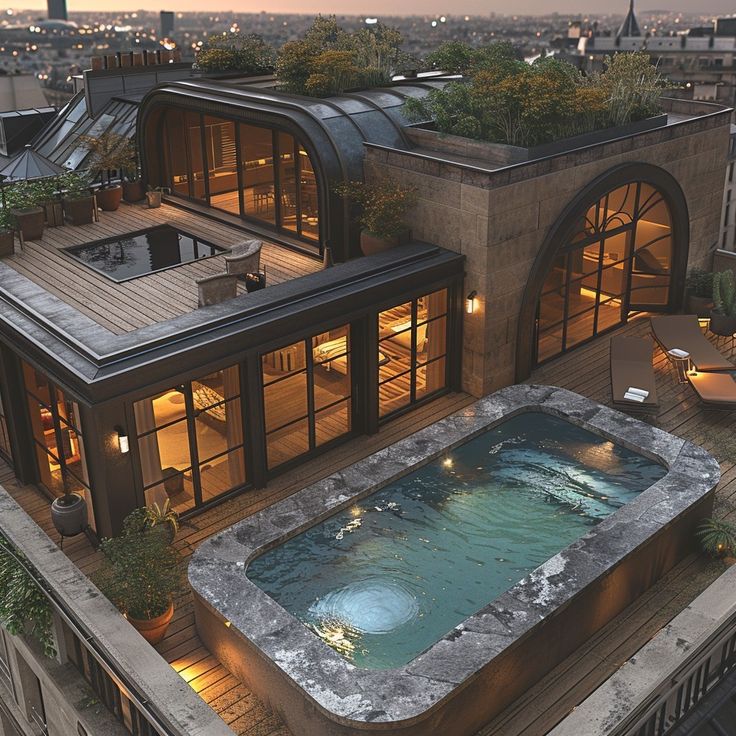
(24,607)
(700,283)
(236,52)
(724,293)
(110,152)
(75,184)
(717,538)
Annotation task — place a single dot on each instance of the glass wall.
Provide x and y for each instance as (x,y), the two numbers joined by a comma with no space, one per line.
(307,394)
(191,441)
(618,259)
(248,170)
(412,351)
(57,437)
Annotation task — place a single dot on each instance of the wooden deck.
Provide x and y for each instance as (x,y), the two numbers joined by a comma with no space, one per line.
(127,306)
(585,371)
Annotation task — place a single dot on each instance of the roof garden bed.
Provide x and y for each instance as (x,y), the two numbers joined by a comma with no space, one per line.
(504,154)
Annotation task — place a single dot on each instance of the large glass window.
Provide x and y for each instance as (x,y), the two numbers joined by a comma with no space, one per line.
(618,259)
(190,441)
(306,394)
(57,437)
(412,351)
(244,169)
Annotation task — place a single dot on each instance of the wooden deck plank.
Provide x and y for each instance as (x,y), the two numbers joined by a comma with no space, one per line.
(147,299)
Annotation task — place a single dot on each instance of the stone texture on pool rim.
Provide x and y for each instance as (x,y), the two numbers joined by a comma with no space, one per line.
(488,660)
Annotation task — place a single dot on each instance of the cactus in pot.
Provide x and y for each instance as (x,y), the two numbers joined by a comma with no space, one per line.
(723,314)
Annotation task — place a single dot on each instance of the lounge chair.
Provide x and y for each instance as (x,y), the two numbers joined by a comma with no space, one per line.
(631,367)
(216,289)
(682,331)
(716,389)
(244,258)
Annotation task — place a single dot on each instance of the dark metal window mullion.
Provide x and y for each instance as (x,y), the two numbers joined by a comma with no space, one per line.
(193,451)
(599,282)
(297,186)
(310,393)
(276,157)
(239,167)
(565,302)
(55,420)
(205,166)
(413,360)
(631,250)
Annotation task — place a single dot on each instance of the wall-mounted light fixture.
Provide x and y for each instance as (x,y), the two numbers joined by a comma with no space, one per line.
(470,302)
(123,441)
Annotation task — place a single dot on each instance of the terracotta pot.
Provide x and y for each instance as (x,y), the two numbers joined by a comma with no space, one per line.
(154,199)
(79,211)
(30,222)
(133,191)
(109,198)
(700,305)
(153,630)
(722,324)
(371,244)
(7,243)
(69,515)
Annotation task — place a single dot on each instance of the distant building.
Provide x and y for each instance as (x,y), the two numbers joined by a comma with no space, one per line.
(57,10)
(701,59)
(167,24)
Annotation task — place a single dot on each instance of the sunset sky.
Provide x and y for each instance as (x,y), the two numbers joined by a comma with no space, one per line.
(408,7)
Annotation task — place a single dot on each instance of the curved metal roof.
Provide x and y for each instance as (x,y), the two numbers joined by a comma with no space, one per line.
(342,123)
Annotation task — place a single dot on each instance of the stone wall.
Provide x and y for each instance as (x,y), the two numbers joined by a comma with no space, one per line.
(499,218)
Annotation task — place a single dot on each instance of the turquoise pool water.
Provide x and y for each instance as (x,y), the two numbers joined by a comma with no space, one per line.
(384,580)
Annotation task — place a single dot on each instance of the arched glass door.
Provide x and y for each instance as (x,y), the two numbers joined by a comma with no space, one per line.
(617,259)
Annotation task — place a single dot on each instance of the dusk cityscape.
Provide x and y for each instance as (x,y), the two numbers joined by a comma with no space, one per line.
(368,370)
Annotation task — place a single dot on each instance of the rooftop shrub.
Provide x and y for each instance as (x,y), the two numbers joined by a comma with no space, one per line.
(505,100)
(236,52)
(330,60)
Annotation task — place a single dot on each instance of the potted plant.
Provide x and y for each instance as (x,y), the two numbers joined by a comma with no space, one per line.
(699,292)
(78,200)
(69,514)
(140,573)
(163,517)
(7,233)
(110,152)
(718,539)
(23,200)
(133,189)
(723,314)
(383,211)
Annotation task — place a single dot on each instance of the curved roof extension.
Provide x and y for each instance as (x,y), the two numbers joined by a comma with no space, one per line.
(339,124)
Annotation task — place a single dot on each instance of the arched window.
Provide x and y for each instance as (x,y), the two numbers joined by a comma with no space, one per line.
(616,258)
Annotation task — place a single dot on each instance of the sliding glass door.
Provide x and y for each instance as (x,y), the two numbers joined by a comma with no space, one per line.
(191,441)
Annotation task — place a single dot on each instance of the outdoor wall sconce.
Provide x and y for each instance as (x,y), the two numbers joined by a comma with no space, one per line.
(123,441)
(470,302)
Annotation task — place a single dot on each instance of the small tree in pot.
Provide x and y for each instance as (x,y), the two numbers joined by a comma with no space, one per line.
(24,202)
(7,233)
(699,285)
(78,200)
(723,314)
(140,573)
(110,152)
(718,539)
(382,218)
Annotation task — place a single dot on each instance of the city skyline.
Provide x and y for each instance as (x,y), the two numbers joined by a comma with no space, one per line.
(386,7)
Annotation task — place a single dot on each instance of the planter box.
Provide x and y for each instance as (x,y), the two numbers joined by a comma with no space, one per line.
(502,154)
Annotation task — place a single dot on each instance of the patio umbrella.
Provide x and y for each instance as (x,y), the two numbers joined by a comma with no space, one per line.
(28,164)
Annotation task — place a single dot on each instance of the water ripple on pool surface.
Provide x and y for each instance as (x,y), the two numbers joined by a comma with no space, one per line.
(373,606)
(384,580)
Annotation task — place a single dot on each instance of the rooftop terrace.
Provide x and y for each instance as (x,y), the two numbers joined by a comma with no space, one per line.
(584,371)
(145,300)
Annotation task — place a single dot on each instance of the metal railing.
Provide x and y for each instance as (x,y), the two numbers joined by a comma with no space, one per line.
(674,699)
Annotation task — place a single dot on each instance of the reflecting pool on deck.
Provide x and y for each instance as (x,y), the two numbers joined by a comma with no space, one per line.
(387,578)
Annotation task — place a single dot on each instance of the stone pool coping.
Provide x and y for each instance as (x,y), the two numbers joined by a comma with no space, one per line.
(350,694)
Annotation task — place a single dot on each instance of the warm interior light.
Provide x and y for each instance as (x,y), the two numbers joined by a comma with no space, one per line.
(123,441)
(470,300)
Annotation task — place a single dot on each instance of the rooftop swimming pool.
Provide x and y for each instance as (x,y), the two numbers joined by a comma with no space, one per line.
(387,578)
(128,256)
(423,589)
